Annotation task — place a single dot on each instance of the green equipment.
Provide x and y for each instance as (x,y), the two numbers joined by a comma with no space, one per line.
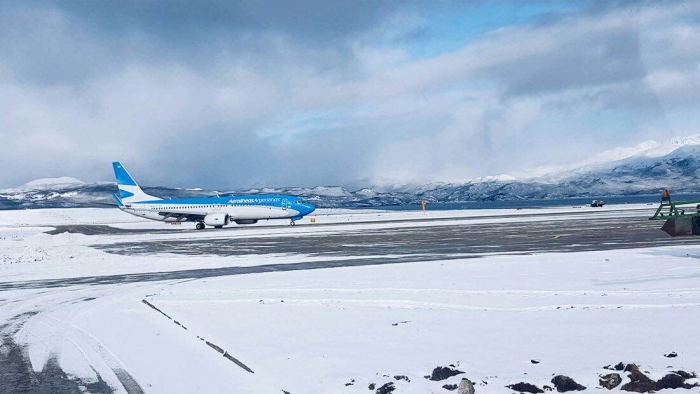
(682,218)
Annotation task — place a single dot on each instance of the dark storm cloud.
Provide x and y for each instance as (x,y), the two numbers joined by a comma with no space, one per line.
(73,41)
(196,23)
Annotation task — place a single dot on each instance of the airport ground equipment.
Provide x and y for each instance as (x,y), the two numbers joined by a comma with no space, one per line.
(682,218)
(597,203)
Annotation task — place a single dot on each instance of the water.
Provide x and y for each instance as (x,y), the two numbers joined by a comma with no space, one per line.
(564,202)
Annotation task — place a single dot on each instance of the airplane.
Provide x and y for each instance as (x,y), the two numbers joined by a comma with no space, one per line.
(206,211)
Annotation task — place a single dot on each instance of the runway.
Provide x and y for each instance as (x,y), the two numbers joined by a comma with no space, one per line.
(435,242)
(370,246)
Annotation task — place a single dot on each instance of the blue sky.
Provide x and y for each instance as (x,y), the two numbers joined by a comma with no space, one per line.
(448,28)
(228,94)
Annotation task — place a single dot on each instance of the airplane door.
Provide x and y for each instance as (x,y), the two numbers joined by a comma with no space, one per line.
(285,203)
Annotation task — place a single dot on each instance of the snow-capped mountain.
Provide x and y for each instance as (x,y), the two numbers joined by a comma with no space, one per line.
(646,150)
(644,169)
(52,183)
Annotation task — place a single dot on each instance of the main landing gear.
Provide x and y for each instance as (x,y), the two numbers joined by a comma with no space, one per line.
(292,223)
(199,226)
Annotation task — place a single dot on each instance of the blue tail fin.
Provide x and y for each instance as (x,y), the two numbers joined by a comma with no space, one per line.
(129,190)
(122,175)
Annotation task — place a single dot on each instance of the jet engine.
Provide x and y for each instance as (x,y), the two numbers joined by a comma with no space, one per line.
(216,219)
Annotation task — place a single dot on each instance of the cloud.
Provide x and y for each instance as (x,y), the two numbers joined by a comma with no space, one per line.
(235,94)
(582,82)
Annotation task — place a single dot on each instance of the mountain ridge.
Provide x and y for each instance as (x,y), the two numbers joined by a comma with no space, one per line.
(640,172)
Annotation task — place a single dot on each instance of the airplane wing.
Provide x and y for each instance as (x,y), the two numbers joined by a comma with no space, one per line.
(183,216)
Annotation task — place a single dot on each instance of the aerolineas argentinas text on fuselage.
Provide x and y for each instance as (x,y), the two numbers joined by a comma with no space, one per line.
(206,211)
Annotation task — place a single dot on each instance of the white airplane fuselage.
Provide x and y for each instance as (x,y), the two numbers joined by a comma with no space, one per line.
(237,208)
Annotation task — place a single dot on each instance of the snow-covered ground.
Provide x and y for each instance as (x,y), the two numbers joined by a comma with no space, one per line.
(340,330)
(314,331)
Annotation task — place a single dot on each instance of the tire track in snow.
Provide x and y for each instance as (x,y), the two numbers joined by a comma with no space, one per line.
(50,330)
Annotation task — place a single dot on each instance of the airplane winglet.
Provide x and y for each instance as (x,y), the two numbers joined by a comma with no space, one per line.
(118,200)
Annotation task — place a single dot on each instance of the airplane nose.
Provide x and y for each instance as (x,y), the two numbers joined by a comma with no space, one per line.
(309,208)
